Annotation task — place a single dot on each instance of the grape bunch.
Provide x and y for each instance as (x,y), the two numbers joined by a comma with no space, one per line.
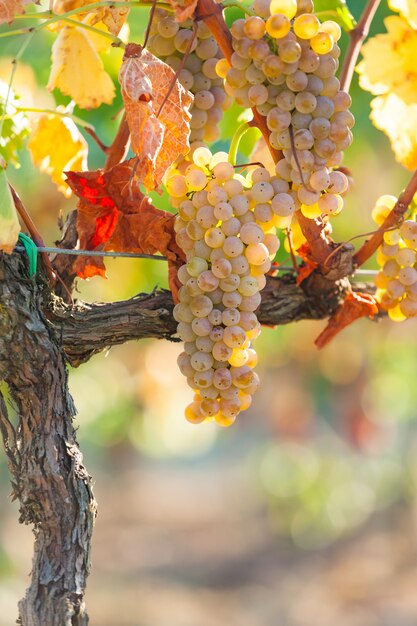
(284,64)
(225,225)
(397,258)
(169,41)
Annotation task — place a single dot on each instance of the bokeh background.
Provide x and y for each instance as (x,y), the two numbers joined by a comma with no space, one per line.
(302,513)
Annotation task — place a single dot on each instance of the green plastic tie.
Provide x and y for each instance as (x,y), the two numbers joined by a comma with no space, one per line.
(31,251)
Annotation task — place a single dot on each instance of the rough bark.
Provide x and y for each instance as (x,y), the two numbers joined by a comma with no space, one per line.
(49,478)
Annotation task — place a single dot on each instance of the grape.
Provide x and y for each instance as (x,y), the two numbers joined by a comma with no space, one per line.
(286,7)
(306,26)
(222,278)
(322,43)
(278,26)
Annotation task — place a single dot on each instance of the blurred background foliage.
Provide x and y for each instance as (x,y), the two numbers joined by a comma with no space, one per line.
(305,507)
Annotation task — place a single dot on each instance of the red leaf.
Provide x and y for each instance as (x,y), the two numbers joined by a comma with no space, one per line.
(355,305)
(114,215)
(309,265)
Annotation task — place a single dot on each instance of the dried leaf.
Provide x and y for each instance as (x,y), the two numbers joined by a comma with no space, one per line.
(355,306)
(114,215)
(9,222)
(157,140)
(10,8)
(78,71)
(56,145)
(184,9)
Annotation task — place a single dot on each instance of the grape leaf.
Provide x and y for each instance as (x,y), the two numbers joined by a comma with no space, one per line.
(10,8)
(9,222)
(407,8)
(355,306)
(388,64)
(399,122)
(14,130)
(78,71)
(338,11)
(57,145)
(114,215)
(159,135)
(112,16)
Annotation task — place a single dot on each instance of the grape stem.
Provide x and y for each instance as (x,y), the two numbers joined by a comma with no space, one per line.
(394,219)
(234,146)
(357,36)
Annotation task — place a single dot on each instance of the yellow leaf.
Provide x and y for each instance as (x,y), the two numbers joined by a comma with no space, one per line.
(112,16)
(407,8)
(9,222)
(78,71)
(56,146)
(389,61)
(10,8)
(160,134)
(399,122)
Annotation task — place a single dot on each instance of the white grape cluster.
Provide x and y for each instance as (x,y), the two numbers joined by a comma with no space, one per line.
(225,227)
(397,258)
(169,41)
(284,64)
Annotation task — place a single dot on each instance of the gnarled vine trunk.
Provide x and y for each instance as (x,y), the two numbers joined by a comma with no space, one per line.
(49,478)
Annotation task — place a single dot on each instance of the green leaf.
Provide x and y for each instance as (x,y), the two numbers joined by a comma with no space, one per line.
(14,130)
(336,10)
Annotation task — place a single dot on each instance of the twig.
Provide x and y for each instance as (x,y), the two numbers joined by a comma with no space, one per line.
(148,28)
(116,152)
(393,219)
(357,37)
(34,233)
(90,131)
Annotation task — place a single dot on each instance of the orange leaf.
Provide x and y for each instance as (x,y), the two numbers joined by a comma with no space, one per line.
(184,9)
(309,265)
(114,215)
(10,8)
(355,305)
(159,136)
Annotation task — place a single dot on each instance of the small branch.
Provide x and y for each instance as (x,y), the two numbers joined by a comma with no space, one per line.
(90,131)
(394,219)
(357,37)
